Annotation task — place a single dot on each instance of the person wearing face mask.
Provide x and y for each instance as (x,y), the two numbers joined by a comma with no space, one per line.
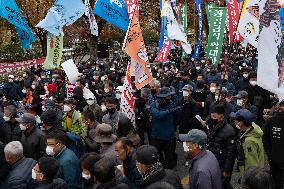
(33,139)
(213,76)
(273,141)
(49,121)
(20,175)
(12,90)
(51,105)
(244,79)
(163,127)
(189,108)
(243,103)
(10,130)
(44,174)
(210,97)
(126,154)
(108,90)
(78,95)
(87,162)
(151,169)
(258,97)
(31,102)
(93,107)
(250,149)
(204,169)
(69,167)
(222,140)
(155,85)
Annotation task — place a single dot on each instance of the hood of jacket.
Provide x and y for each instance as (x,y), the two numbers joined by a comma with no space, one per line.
(254,131)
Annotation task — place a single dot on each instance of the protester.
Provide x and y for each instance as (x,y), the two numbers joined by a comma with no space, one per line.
(93,107)
(204,170)
(273,141)
(20,175)
(4,166)
(44,173)
(49,121)
(152,171)
(69,169)
(257,178)
(33,139)
(250,151)
(126,154)
(126,129)
(243,103)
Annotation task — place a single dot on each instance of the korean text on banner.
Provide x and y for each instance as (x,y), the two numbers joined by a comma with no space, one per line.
(71,70)
(62,13)
(114,12)
(249,22)
(183,21)
(69,89)
(174,30)
(233,18)
(270,72)
(216,33)
(11,12)
(54,51)
(127,103)
(162,55)
(208,8)
(142,74)
(199,12)
(282,18)
(132,7)
(92,19)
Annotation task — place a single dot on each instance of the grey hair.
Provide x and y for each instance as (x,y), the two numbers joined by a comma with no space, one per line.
(156,83)
(14,148)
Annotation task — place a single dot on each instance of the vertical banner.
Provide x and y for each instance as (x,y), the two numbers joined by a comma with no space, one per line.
(233,18)
(12,13)
(198,46)
(216,33)
(127,101)
(69,89)
(282,18)
(132,7)
(92,19)
(183,21)
(208,8)
(270,72)
(54,51)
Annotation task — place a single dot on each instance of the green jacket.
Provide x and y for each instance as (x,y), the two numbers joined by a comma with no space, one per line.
(253,149)
(76,124)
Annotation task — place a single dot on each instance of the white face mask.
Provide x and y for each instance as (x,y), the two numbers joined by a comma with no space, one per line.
(216,98)
(66,108)
(33,86)
(198,67)
(185,93)
(85,176)
(10,80)
(239,102)
(38,120)
(33,174)
(185,147)
(245,75)
(6,118)
(49,151)
(103,107)
(253,83)
(90,102)
(103,78)
(106,90)
(24,91)
(212,89)
(43,108)
(238,127)
(118,96)
(45,88)
(22,127)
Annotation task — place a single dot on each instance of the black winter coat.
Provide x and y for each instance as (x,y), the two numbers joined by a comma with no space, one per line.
(10,132)
(55,184)
(222,142)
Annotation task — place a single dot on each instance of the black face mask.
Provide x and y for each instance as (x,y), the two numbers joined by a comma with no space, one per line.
(215,121)
(111,110)
(153,91)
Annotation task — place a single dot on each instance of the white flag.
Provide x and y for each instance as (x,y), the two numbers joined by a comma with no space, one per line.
(270,72)
(92,19)
(249,22)
(174,29)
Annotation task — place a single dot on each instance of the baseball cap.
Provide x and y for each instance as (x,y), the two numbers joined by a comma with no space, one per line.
(147,155)
(241,94)
(244,114)
(196,136)
(49,117)
(26,118)
(187,88)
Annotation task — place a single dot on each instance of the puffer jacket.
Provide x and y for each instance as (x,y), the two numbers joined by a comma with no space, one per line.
(222,142)
(251,152)
(54,184)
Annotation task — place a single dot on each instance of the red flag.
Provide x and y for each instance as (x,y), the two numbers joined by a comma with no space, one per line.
(233,17)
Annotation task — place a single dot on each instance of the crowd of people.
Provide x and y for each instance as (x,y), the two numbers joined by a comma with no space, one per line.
(218,114)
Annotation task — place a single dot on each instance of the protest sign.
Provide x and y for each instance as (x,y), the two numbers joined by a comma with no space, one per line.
(270,72)
(69,89)
(11,12)
(114,12)
(143,75)
(71,70)
(54,51)
(62,13)
(8,68)
(216,33)
(199,12)
(233,18)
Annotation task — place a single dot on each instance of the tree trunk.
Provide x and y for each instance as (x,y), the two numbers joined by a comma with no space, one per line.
(93,48)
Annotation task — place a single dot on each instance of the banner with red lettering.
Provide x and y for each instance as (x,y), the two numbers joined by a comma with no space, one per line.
(162,55)
(7,68)
(69,89)
(233,18)
(132,7)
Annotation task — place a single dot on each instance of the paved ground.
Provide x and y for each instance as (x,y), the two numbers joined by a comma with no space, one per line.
(183,170)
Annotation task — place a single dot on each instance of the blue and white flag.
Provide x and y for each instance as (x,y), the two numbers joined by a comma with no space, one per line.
(63,12)
(114,12)
(198,46)
(11,12)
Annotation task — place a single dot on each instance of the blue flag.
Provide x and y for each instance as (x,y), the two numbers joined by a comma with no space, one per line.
(282,18)
(11,12)
(63,12)
(114,12)
(198,46)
